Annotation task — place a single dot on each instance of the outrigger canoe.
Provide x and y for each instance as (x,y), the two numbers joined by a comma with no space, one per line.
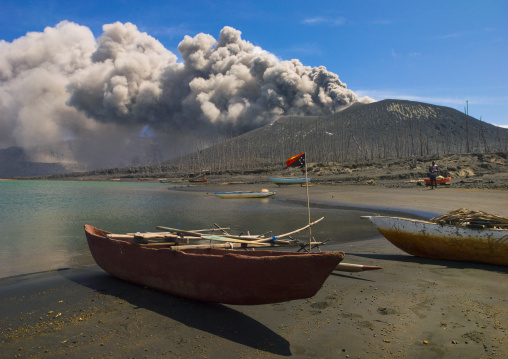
(246,194)
(214,275)
(444,241)
(281,181)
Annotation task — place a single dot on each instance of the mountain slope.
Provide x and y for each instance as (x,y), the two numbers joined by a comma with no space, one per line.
(389,128)
(362,132)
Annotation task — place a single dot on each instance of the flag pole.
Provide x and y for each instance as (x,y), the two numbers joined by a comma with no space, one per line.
(308,204)
(300,160)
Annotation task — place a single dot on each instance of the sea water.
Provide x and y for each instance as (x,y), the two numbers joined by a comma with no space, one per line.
(41,222)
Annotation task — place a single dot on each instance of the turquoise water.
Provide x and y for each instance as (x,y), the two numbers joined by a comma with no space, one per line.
(41,222)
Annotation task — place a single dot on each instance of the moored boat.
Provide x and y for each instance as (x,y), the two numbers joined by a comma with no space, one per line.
(440,180)
(214,275)
(200,180)
(281,181)
(445,241)
(246,194)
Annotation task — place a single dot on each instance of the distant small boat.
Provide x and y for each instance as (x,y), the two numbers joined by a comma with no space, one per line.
(199,180)
(246,194)
(444,241)
(440,180)
(281,181)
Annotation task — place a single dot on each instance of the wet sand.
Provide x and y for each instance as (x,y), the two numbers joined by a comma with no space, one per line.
(412,308)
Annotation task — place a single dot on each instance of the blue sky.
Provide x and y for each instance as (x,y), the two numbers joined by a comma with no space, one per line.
(439,52)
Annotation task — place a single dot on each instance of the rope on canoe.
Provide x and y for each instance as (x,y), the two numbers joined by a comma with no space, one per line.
(470,218)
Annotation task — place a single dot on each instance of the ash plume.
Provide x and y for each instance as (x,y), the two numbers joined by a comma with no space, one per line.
(63,83)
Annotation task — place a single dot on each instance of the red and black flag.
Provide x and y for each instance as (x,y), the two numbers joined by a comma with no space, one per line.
(296,161)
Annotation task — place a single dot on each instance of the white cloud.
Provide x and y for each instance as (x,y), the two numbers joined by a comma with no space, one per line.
(325,20)
(454,35)
(450,36)
(314,20)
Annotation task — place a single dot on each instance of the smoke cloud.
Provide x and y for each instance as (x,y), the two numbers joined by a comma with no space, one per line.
(63,83)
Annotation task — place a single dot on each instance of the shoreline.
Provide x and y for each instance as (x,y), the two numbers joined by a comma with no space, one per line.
(420,201)
(413,307)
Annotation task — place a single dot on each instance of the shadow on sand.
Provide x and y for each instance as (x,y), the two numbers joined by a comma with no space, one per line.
(216,319)
(431,261)
(348,276)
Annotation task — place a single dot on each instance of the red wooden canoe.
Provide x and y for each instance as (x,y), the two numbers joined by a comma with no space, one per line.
(214,275)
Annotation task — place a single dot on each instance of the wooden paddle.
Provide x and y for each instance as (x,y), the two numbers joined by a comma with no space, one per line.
(180,231)
(230,245)
(349,267)
(226,239)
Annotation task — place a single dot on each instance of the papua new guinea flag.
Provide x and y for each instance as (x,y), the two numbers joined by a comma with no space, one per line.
(296,161)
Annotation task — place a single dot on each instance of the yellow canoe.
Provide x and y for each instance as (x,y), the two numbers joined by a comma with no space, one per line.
(443,241)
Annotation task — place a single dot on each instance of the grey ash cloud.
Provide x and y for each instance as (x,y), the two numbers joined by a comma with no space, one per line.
(63,83)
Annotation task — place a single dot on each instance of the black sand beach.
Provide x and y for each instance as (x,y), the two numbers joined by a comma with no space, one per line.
(412,308)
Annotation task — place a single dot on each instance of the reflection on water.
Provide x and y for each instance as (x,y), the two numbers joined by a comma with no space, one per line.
(41,223)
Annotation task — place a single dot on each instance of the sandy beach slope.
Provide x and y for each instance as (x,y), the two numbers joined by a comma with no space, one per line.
(412,308)
(419,200)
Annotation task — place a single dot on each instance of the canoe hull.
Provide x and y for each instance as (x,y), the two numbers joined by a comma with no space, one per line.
(288,180)
(215,275)
(440,181)
(239,194)
(431,240)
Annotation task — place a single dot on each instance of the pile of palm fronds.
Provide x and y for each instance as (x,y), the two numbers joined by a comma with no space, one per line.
(470,218)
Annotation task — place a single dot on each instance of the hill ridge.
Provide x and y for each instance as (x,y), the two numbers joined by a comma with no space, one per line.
(359,133)
(388,128)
